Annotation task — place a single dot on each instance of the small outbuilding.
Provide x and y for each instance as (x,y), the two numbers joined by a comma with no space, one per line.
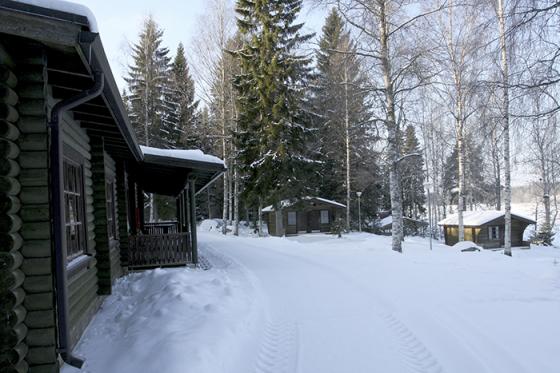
(485,228)
(306,215)
(412,227)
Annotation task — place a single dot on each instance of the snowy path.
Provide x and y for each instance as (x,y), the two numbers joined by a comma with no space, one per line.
(325,314)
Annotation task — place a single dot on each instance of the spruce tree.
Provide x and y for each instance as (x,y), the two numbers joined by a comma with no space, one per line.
(272,122)
(148,85)
(183,131)
(412,176)
(342,117)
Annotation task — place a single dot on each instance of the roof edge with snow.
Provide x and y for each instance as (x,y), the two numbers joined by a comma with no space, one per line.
(287,203)
(477,218)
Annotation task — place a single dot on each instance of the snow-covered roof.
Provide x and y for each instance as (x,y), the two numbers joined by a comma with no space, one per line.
(476,218)
(287,203)
(67,7)
(194,155)
(388,220)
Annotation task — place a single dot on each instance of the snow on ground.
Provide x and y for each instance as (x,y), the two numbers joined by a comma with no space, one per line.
(315,303)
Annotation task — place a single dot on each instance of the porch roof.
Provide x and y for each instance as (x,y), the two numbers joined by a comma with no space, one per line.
(166,171)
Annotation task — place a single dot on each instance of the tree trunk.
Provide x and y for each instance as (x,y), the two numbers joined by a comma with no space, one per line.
(260,220)
(392,133)
(236,200)
(505,113)
(347,142)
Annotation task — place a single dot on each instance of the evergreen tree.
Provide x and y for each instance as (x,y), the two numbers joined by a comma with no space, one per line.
(412,176)
(341,116)
(272,121)
(148,85)
(183,132)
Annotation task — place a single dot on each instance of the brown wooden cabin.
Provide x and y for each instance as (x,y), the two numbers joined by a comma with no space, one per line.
(307,215)
(72,183)
(485,228)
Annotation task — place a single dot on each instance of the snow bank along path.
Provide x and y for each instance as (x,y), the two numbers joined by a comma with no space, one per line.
(353,305)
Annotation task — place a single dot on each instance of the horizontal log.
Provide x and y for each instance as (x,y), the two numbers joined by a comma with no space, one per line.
(34,107)
(8,130)
(9,185)
(41,355)
(14,335)
(14,356)
(39,301)
(8,77)
(33,142)
(33,160)
(36,266)
(8,149)
(12,318)
(9,204)
(10,242)
(9,223)
(37,248)
(11,279)
(34,195)
(8,95)
(38,284)
(36,231)
(11,299)
(35,213)
(33,123)
(41,337)
(10,260)
(40,319)
(33,90)
(33,177)
(8,113)
(9,167)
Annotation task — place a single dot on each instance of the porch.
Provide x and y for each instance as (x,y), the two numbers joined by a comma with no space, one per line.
(168,173)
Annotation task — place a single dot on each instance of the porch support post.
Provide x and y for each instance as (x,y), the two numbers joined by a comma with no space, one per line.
(139,214)
(192,209)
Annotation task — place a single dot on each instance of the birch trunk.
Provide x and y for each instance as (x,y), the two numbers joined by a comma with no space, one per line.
(260,220)
(347,142)
(505,113)
(236,200)
(392,132)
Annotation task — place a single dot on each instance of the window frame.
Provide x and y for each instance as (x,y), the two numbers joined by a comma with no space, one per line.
(328,217)
(111,207)
(491,233)
(75,193)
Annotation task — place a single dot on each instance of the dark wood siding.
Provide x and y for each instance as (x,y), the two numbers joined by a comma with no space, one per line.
(12,307)
(83,300)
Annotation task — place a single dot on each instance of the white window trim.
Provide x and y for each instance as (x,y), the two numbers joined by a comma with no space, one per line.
(491,233)
(326,215)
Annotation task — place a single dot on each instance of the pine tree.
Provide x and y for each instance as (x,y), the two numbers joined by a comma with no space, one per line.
(271,87)
(183,132)
(147,85)
(412,176)
(341,115)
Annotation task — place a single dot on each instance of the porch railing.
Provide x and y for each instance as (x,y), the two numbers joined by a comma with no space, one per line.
(158,250)
(163,227)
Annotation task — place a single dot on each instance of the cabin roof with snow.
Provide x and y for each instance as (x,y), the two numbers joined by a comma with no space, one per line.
(478,218)
(287,203)
(387,221)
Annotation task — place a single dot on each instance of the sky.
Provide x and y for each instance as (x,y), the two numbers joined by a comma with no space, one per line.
(120,21)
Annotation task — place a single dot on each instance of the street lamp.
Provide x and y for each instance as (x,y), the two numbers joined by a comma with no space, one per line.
(359,194)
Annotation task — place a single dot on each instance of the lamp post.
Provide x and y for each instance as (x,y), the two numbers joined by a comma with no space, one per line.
(359,194)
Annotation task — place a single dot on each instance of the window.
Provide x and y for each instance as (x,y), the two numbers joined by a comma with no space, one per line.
(74,207)
(324,216)
(494,233)
(111,221)
(292,218)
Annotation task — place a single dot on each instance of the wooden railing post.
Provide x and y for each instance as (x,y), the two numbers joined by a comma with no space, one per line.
(192,203)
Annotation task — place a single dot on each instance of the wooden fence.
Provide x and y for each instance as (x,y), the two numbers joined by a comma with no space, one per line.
(160,250)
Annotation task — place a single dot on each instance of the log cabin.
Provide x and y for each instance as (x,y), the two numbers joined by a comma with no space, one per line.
(306,215)
(72,184)
(485,228)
